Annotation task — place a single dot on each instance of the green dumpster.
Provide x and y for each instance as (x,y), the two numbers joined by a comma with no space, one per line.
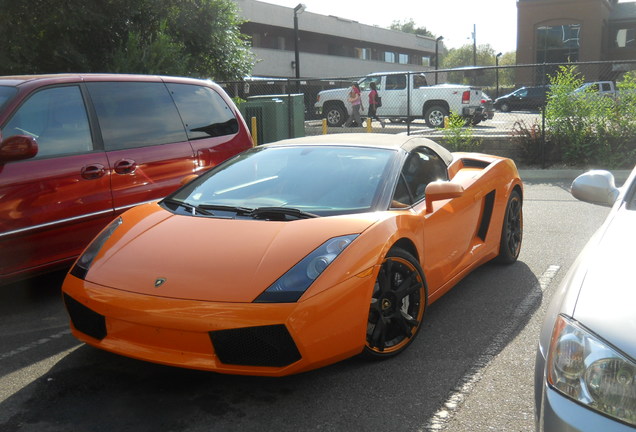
(276,117)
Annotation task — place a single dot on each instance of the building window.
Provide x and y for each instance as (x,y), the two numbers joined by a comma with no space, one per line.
(426,61)
(280,42)
(362,53)
(625,38)
(558,44)
(403,59)
(389,57)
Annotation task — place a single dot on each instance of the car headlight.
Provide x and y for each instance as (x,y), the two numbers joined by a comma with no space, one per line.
(289,287)
(588,370)
(83,263)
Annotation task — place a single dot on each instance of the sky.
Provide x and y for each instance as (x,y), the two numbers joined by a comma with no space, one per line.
(495,20)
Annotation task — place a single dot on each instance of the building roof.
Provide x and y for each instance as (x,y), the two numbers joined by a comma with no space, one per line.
(281,16)
(623,12)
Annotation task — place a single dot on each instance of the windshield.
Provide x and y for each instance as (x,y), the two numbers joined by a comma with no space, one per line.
(6,93)
(321,180)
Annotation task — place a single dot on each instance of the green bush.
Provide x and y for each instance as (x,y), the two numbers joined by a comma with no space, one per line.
(586,128)
(457,137)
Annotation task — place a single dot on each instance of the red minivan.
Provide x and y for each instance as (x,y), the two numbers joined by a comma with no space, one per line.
(76,150)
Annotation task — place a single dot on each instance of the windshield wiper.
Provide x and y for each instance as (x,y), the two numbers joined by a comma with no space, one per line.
(191,208)
(280,213)
(219,207)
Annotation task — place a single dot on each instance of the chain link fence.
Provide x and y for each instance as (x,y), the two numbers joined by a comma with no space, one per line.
(512,108)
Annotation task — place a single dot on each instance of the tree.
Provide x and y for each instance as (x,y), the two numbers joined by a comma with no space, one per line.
(486,56)
(409,27)
(184,37)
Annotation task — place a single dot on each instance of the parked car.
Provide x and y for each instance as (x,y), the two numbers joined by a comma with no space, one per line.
(525,98)
(77,150)
(585,374)
(487,110)
(296,254)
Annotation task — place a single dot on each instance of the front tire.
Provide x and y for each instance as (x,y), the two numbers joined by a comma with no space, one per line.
(512,230)
(335,115)
(434,116)
(398,304)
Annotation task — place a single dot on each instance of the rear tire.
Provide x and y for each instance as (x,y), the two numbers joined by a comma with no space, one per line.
(398,304)
(512,230)
(434,116)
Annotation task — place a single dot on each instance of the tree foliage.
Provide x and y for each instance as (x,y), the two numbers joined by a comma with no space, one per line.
(409,27)
(177,37)
(486,56)
(587,128)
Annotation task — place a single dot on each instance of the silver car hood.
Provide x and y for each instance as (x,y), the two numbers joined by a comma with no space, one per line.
(606,302)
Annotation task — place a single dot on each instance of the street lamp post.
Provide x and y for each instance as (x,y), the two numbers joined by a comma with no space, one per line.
(437,41)
(297,10)
(497,72)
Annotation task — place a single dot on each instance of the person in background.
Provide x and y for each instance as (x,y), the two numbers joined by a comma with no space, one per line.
(356,105)
(373,104)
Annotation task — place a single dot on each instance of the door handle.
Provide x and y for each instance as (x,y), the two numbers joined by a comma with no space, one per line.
(93,171)
(125,166)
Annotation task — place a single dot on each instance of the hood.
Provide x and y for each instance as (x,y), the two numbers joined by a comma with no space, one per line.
(608,292)
(209,259)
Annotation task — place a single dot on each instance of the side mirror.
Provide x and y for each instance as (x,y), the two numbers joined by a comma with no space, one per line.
(596,187)
(18,147)
(188,179)
(441,190)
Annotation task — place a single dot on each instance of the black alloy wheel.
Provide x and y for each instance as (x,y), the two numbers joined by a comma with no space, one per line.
(512,231)
(397,305)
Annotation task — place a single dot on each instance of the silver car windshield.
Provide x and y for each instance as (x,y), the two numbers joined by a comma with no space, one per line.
(322,180)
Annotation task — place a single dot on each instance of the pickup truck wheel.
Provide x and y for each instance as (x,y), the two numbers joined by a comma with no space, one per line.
(434,116)
(335,116)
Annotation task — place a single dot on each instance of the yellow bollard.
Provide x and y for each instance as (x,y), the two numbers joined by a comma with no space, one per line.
(446,122)
(369,126)
(324,126)
(254,132)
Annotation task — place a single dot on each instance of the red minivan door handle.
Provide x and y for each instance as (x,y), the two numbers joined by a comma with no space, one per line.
(125,166)
(93,171)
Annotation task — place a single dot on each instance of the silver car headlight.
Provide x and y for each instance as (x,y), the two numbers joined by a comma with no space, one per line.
(589,371)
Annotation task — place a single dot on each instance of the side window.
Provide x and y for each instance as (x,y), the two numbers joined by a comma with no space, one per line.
(203,111)
(421,167)
(366,83)
(135,114)
(56,118)
(395,82)
(419,81)
(522,93)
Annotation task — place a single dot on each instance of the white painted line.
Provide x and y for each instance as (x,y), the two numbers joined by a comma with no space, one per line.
(439,420)
(547,276)
(34,344)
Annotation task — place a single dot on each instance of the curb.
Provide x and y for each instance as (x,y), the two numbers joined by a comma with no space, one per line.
(534,175)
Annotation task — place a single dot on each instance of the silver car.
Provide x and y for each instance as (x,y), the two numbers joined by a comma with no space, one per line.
(585,374)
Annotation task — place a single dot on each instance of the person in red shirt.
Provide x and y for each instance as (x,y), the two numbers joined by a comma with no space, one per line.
(373,104)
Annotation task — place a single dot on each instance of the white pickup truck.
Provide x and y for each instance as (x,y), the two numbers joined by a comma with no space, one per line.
(598,87)
(432,103)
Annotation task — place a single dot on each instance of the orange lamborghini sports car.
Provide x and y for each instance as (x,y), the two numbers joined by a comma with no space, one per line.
(295,255)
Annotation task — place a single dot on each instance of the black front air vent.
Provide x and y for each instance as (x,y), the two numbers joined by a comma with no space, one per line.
(255,346)
(84,319)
